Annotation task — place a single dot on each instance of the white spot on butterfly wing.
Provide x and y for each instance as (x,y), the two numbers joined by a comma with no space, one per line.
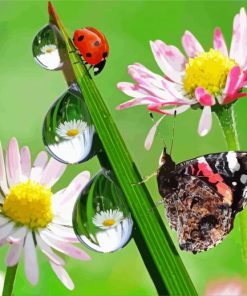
(232,161)
(243,179)
(234,183)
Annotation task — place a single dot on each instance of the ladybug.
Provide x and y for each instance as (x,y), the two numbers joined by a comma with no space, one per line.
(93,47)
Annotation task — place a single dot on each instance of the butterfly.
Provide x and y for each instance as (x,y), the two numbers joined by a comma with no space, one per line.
(202,196)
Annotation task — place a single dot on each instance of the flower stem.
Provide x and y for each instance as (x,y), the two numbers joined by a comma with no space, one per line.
(227,122)
(9,280)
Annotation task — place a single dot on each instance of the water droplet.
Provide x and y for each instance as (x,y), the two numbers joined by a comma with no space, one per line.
(48,48)
(68,132)
(101,218)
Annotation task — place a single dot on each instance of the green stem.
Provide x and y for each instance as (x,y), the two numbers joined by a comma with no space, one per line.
(9,280)
(227,122)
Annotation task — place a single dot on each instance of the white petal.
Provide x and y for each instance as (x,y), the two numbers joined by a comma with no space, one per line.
(14,254)
(3,180)
(65,248)
(63,276)
(3,220)
(62,230)
(6,230)
(25,162)
(30,260)
(63,204)
(205,123)
(13,163)
(18,234)
(52,172)
(39,165)
(48,251)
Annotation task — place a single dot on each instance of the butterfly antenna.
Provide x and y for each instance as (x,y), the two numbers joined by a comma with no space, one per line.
(173,131)
(145,179)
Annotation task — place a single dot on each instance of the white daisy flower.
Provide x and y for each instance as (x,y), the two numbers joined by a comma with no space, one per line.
(71,129)
(108,219)
(48,48)
(31,216)
(50,57)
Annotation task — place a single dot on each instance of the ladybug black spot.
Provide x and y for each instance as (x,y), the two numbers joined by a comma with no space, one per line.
(105,54)
(96,43)
(88,54)
(80,38)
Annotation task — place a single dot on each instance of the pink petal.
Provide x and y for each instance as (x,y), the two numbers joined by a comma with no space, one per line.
(242,80)
(25,162)
(48,251)
(232,82)
(132,90)
(219,42)
(203,97)
(149,81)
(191,45)
(165,67)
(226,287)
(30,260)
(13,163)
(65,248)
(3,180)
(39,165)
(52,172)
(239,39)
(150,137)
(137,102)
(63,276)
(205,123)
(172,111)
(172,55)
(6,230)
(14,254)
(156,85)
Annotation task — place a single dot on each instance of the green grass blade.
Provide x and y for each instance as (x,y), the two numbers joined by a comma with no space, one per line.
(153,241)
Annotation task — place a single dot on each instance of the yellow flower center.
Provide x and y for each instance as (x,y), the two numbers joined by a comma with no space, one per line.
(109,222)
(29,204)
(49,49)
(208,70)
(72,132)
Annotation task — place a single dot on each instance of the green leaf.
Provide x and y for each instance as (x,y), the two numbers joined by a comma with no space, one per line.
(152,239)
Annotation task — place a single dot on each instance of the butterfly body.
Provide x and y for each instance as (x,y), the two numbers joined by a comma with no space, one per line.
(202,196)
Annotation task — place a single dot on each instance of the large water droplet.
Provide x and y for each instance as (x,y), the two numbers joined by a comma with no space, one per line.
(68,132)
(48,48)
(101,218)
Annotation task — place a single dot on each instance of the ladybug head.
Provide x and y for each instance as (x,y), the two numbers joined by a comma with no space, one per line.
(99,67)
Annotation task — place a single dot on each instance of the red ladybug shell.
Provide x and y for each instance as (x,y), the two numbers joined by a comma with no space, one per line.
(92,45)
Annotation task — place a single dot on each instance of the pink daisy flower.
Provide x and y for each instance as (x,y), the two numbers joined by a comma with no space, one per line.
(226,287)
(32,217)
(203,79)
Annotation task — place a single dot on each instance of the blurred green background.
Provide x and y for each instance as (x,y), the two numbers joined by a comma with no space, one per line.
(27,92)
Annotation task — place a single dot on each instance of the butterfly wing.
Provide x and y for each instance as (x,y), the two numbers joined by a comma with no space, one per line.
(203,217)
(202,196)
(225,172)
